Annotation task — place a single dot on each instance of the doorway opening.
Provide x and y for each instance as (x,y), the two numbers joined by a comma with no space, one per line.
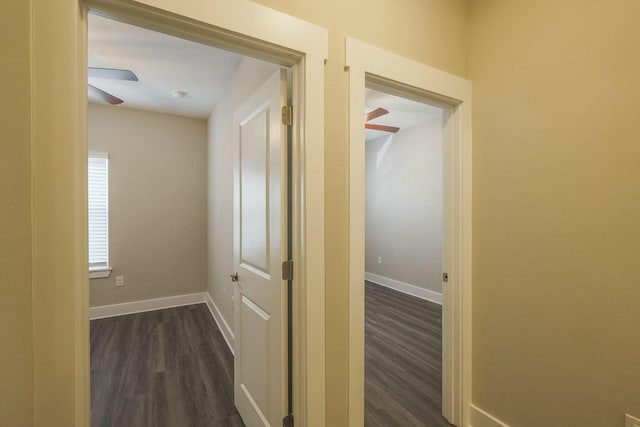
(189,223)
(60,213)
(404,232)
(370,67)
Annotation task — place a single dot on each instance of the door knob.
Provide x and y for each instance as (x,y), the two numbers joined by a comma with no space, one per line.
(234,277)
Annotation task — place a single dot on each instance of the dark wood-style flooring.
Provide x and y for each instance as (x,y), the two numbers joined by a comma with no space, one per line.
(161,368)
(403,360)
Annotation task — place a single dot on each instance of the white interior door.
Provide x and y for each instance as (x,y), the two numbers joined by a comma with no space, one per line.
(260,209)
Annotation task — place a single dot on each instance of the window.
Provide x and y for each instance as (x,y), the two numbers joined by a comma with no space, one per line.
(98,214)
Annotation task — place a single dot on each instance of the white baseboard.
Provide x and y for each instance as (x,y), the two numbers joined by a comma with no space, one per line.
(227,334)
(112,310)
(480,418)
(405,288)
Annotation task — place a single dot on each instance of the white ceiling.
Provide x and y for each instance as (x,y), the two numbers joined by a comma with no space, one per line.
(164,64)
(403,113)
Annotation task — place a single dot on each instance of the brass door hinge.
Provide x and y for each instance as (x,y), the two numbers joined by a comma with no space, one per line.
(287,270)
(287,421)
(287,115)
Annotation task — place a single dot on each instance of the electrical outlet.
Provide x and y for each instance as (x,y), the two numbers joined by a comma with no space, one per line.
(379,260)
(119,280)
(630,421)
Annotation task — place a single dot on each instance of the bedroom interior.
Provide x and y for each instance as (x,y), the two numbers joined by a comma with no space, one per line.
(403,261)
(161,302)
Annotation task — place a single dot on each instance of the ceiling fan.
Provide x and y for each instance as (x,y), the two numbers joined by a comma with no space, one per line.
(378,112)
(109,73)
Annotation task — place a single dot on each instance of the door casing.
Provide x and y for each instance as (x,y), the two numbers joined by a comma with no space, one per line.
(369,66)
(244,27)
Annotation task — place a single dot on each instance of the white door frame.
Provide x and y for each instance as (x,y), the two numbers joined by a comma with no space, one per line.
(239,25)
(374,67)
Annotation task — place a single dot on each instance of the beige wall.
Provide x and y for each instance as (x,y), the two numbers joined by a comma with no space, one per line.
(404,206)
(430,31)
(556,210)
(157,203)
(246,78)
(16,324)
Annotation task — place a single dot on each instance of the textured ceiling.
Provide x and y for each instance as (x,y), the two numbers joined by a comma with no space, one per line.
(164,64)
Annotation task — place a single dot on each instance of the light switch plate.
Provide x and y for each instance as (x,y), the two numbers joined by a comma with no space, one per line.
(119,280)
(630,421)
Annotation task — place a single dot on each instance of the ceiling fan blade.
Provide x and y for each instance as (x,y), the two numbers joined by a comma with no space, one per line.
(105,96)
(111,73)
(383,128)
(376,113)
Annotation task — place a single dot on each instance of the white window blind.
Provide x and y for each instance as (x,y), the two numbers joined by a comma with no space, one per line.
(98,211)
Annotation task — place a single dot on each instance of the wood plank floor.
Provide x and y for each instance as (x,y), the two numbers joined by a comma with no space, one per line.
(403,360)
(161,368)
